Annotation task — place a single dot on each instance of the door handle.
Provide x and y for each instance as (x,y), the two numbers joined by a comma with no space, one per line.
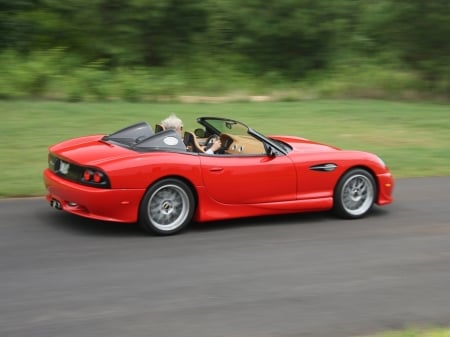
(216,169)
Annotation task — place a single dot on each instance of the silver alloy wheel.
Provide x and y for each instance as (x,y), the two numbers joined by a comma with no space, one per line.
(168,207)
(357,194)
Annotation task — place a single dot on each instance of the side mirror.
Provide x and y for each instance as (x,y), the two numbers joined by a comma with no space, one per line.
(270,151)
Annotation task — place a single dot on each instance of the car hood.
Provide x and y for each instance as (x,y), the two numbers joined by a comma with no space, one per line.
(304,145)
(89,150)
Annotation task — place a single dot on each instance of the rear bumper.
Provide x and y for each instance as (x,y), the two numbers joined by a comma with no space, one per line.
(385,188)
(121,205)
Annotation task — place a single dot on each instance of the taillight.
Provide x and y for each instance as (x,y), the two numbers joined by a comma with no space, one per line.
(87,175)
(94,177)
(98,177)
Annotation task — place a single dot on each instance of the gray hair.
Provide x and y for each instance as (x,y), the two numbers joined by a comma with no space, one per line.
(172,122)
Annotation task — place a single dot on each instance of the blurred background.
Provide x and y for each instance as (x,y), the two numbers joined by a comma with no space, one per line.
(156,50)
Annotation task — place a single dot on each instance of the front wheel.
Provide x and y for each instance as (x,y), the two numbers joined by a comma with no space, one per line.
(167,207)
(355,193)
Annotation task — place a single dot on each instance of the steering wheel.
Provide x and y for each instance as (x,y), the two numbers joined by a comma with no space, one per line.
(210,141)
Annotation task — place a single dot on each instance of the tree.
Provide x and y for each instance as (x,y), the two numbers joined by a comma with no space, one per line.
(417,32)
(289,36)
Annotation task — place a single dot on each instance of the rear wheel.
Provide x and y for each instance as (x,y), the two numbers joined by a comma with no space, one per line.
(355,193)
(167,207)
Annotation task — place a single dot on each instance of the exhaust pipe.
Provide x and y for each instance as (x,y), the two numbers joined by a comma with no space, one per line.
(55,204)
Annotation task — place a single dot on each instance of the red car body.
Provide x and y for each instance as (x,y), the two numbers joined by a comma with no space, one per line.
(107,177)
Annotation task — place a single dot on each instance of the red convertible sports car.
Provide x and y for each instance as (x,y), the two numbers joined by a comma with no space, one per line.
(164,181)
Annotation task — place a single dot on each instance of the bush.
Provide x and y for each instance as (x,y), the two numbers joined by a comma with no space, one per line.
(368,81)
(55,74)
(29,76)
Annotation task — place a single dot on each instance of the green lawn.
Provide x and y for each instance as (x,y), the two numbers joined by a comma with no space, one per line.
(412,138)
(430,332)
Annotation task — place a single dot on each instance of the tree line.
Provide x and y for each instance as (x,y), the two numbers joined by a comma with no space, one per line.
(291,38)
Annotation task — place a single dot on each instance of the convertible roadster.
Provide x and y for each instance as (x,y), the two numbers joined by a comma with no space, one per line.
(164,181)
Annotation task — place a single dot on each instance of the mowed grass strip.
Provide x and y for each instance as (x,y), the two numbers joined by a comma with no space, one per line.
(412,138)
(419,332)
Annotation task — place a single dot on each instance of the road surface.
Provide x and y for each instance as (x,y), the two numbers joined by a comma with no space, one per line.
(296,275)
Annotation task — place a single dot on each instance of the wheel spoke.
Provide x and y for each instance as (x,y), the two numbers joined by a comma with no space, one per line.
(357,194)
(168,207)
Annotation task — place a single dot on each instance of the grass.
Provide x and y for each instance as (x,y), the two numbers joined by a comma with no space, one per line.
(412,138)
(431,332)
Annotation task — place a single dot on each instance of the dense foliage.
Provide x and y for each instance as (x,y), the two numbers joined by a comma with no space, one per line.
(111,45)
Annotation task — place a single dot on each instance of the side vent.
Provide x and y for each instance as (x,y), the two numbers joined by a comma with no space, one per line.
(328,167)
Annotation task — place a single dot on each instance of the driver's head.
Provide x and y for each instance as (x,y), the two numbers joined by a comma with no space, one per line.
(173,123)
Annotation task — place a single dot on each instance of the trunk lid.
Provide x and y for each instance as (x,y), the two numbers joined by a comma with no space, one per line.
(90,150)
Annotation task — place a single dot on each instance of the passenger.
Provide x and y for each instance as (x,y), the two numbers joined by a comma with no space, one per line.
(174,123)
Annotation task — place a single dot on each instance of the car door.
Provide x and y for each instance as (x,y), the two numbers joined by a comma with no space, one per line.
(249,179)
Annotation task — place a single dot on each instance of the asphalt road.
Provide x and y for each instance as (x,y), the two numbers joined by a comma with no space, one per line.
(297,275)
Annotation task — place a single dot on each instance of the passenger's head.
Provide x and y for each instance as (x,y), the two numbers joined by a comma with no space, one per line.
(173,123)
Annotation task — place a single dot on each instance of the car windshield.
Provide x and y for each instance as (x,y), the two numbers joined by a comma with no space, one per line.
(230,127)
(227,126)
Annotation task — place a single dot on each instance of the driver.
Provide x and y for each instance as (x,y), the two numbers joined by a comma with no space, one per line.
(174,123)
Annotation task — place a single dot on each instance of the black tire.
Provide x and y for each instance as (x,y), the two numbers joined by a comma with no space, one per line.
(167,207)
(355,194)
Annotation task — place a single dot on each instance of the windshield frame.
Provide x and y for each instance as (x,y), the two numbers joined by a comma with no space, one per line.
(217,125)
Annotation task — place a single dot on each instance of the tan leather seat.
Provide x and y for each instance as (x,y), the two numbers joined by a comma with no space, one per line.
(191,142)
